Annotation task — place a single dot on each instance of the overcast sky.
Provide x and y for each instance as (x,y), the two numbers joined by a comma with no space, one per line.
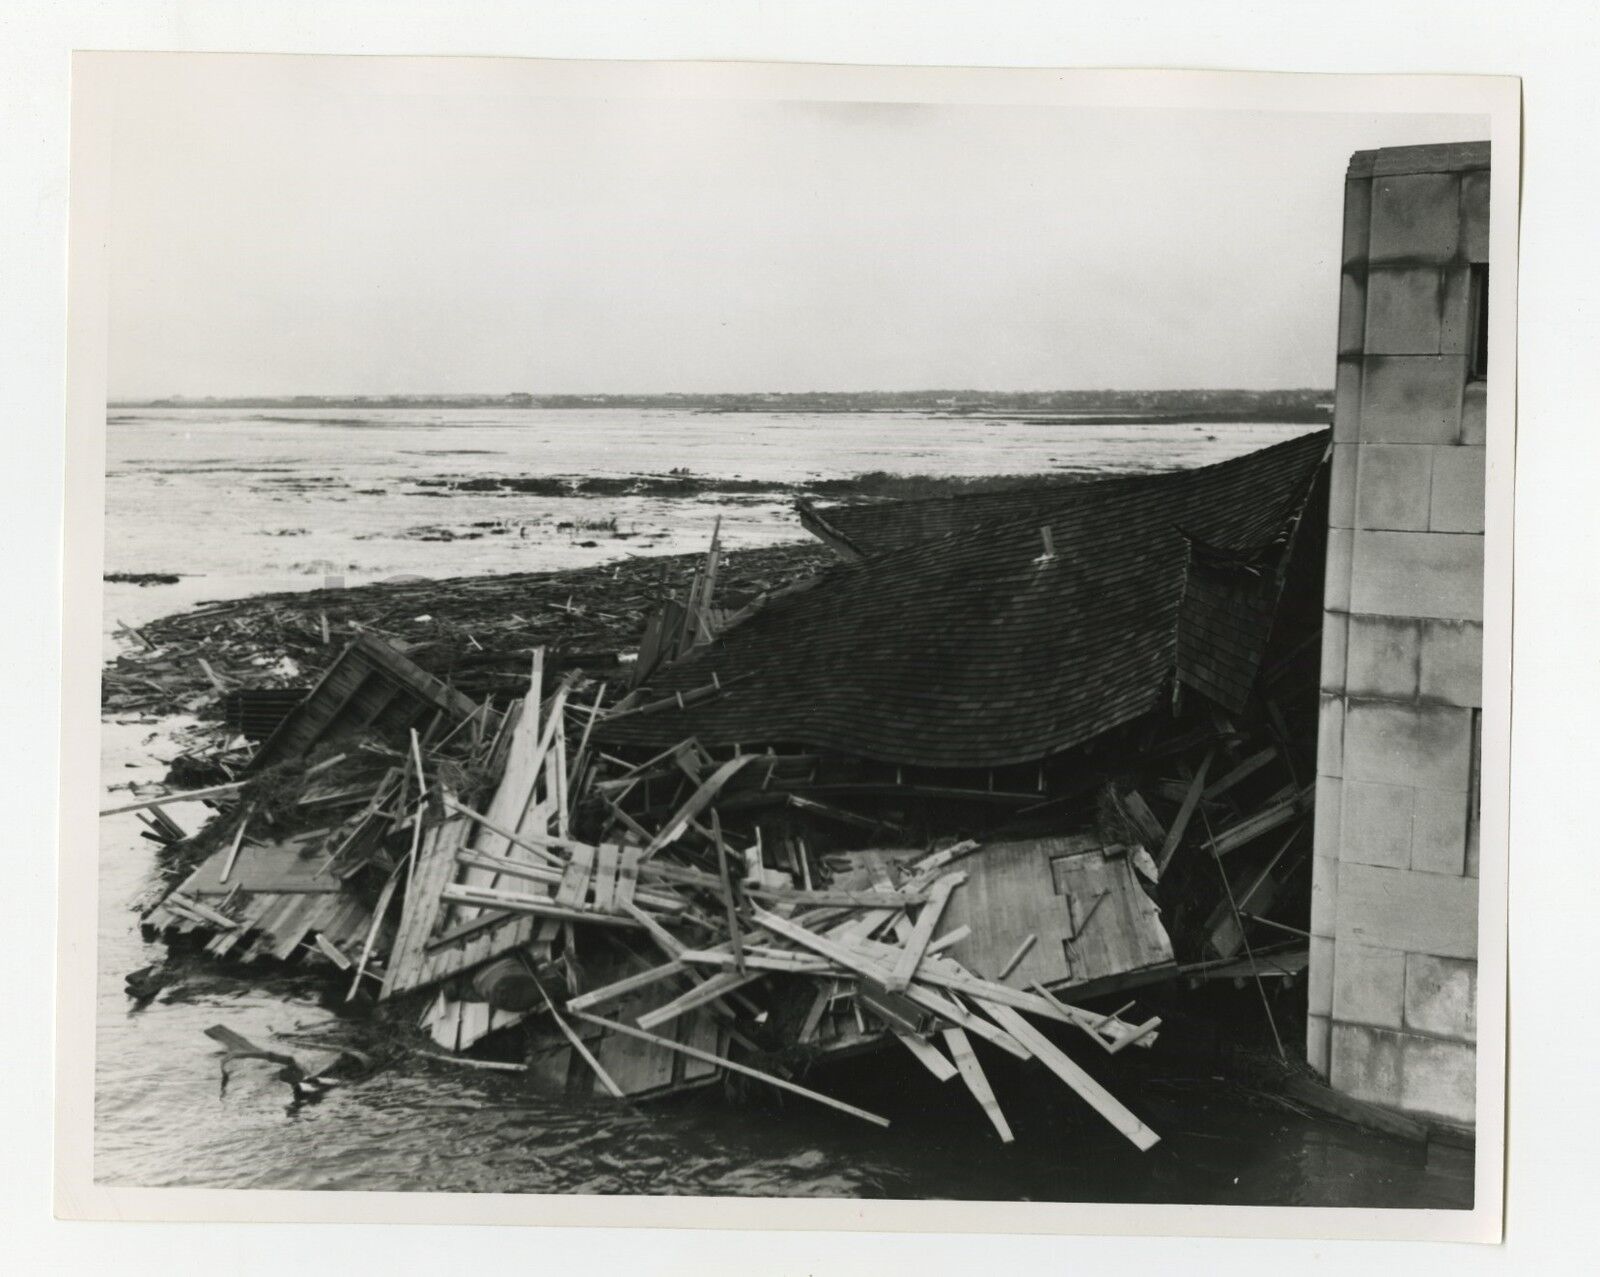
(328,234)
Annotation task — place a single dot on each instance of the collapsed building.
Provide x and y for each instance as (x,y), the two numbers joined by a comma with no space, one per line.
(1016,756)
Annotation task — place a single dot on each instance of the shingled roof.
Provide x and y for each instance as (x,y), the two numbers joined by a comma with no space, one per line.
(974,649)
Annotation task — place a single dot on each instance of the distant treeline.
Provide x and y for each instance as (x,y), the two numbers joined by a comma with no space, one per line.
(1279,405)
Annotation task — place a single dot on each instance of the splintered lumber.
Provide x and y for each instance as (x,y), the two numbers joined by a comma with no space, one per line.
(1015,960)
(698,802)
(378,911)
(934,1000)
(539,844)
(762,959)
(1180,822)
(824,995)
(950,938)
(1092,1093)
(628,984)
(1252,827)
(521,902)
(233,847)
(729,903)
(1144,820)
(849,899)
(719,1061)
(333,952)
(894,1009)
(707,991)
(665,940)
(972,1074)
(161,800)
(922,933)
(584,1053)
(928,1055)
(1248,767)
(604,883)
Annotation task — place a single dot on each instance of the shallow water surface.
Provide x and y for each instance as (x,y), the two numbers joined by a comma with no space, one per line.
(189,492)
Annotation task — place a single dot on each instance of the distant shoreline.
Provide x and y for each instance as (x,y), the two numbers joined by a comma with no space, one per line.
(1099,407)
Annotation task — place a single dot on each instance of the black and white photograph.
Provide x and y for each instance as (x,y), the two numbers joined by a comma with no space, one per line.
(728,632)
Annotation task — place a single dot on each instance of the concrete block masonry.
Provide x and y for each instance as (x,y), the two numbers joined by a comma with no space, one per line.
(1392,483)
(1422,1075)
(1417,574)
(1456,503)
(1411,398)
(1406,910)
(1384,657)
(1452,662)
(1442,996)
(1405,315)
(1415,217)
(1419,744)
(1369,985)
(1376,824)
(1394,898)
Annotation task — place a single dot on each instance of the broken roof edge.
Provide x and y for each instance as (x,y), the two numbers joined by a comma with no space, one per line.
(1043,491)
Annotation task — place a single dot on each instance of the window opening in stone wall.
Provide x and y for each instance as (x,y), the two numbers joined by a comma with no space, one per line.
(1478,359)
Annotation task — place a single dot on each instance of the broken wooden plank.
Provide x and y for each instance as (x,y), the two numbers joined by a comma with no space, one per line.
(1015,960)
(1180,822)
(189,796)
(628,881)
(1054,1059)
(539,844)
(604,883)
(537,906)
(972,1074)
(730,903)
(583,1051)
(1249,767)
(628,984)
(725,1063)
(927,1055)
(1142,818)
(1357,1112)
(1261,822)
(233,847)
(950,938)
(824,995)
(707,991)
(378,912)
(922,933)
(698,802)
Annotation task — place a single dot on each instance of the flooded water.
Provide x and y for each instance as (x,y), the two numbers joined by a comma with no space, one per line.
(195,492)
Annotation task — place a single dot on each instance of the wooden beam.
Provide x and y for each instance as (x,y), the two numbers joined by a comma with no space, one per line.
(1180,822)
(698,802)
(729,903)
(922,933)
(1093,1094)
(1248,767)
(927,1055)
(972,1074)
(190,796)
(722,1062)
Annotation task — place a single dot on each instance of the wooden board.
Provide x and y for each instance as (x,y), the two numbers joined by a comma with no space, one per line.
(436,864)
(1044,887)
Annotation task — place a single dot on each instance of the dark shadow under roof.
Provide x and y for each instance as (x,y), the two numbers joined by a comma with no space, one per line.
(972,650)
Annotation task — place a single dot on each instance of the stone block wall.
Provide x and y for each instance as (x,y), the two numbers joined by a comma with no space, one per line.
(1393,980)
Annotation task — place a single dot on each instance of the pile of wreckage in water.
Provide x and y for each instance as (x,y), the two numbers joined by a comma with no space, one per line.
(1015,757)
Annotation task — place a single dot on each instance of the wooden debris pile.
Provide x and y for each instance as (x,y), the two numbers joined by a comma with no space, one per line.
(478,633)
(490,874)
